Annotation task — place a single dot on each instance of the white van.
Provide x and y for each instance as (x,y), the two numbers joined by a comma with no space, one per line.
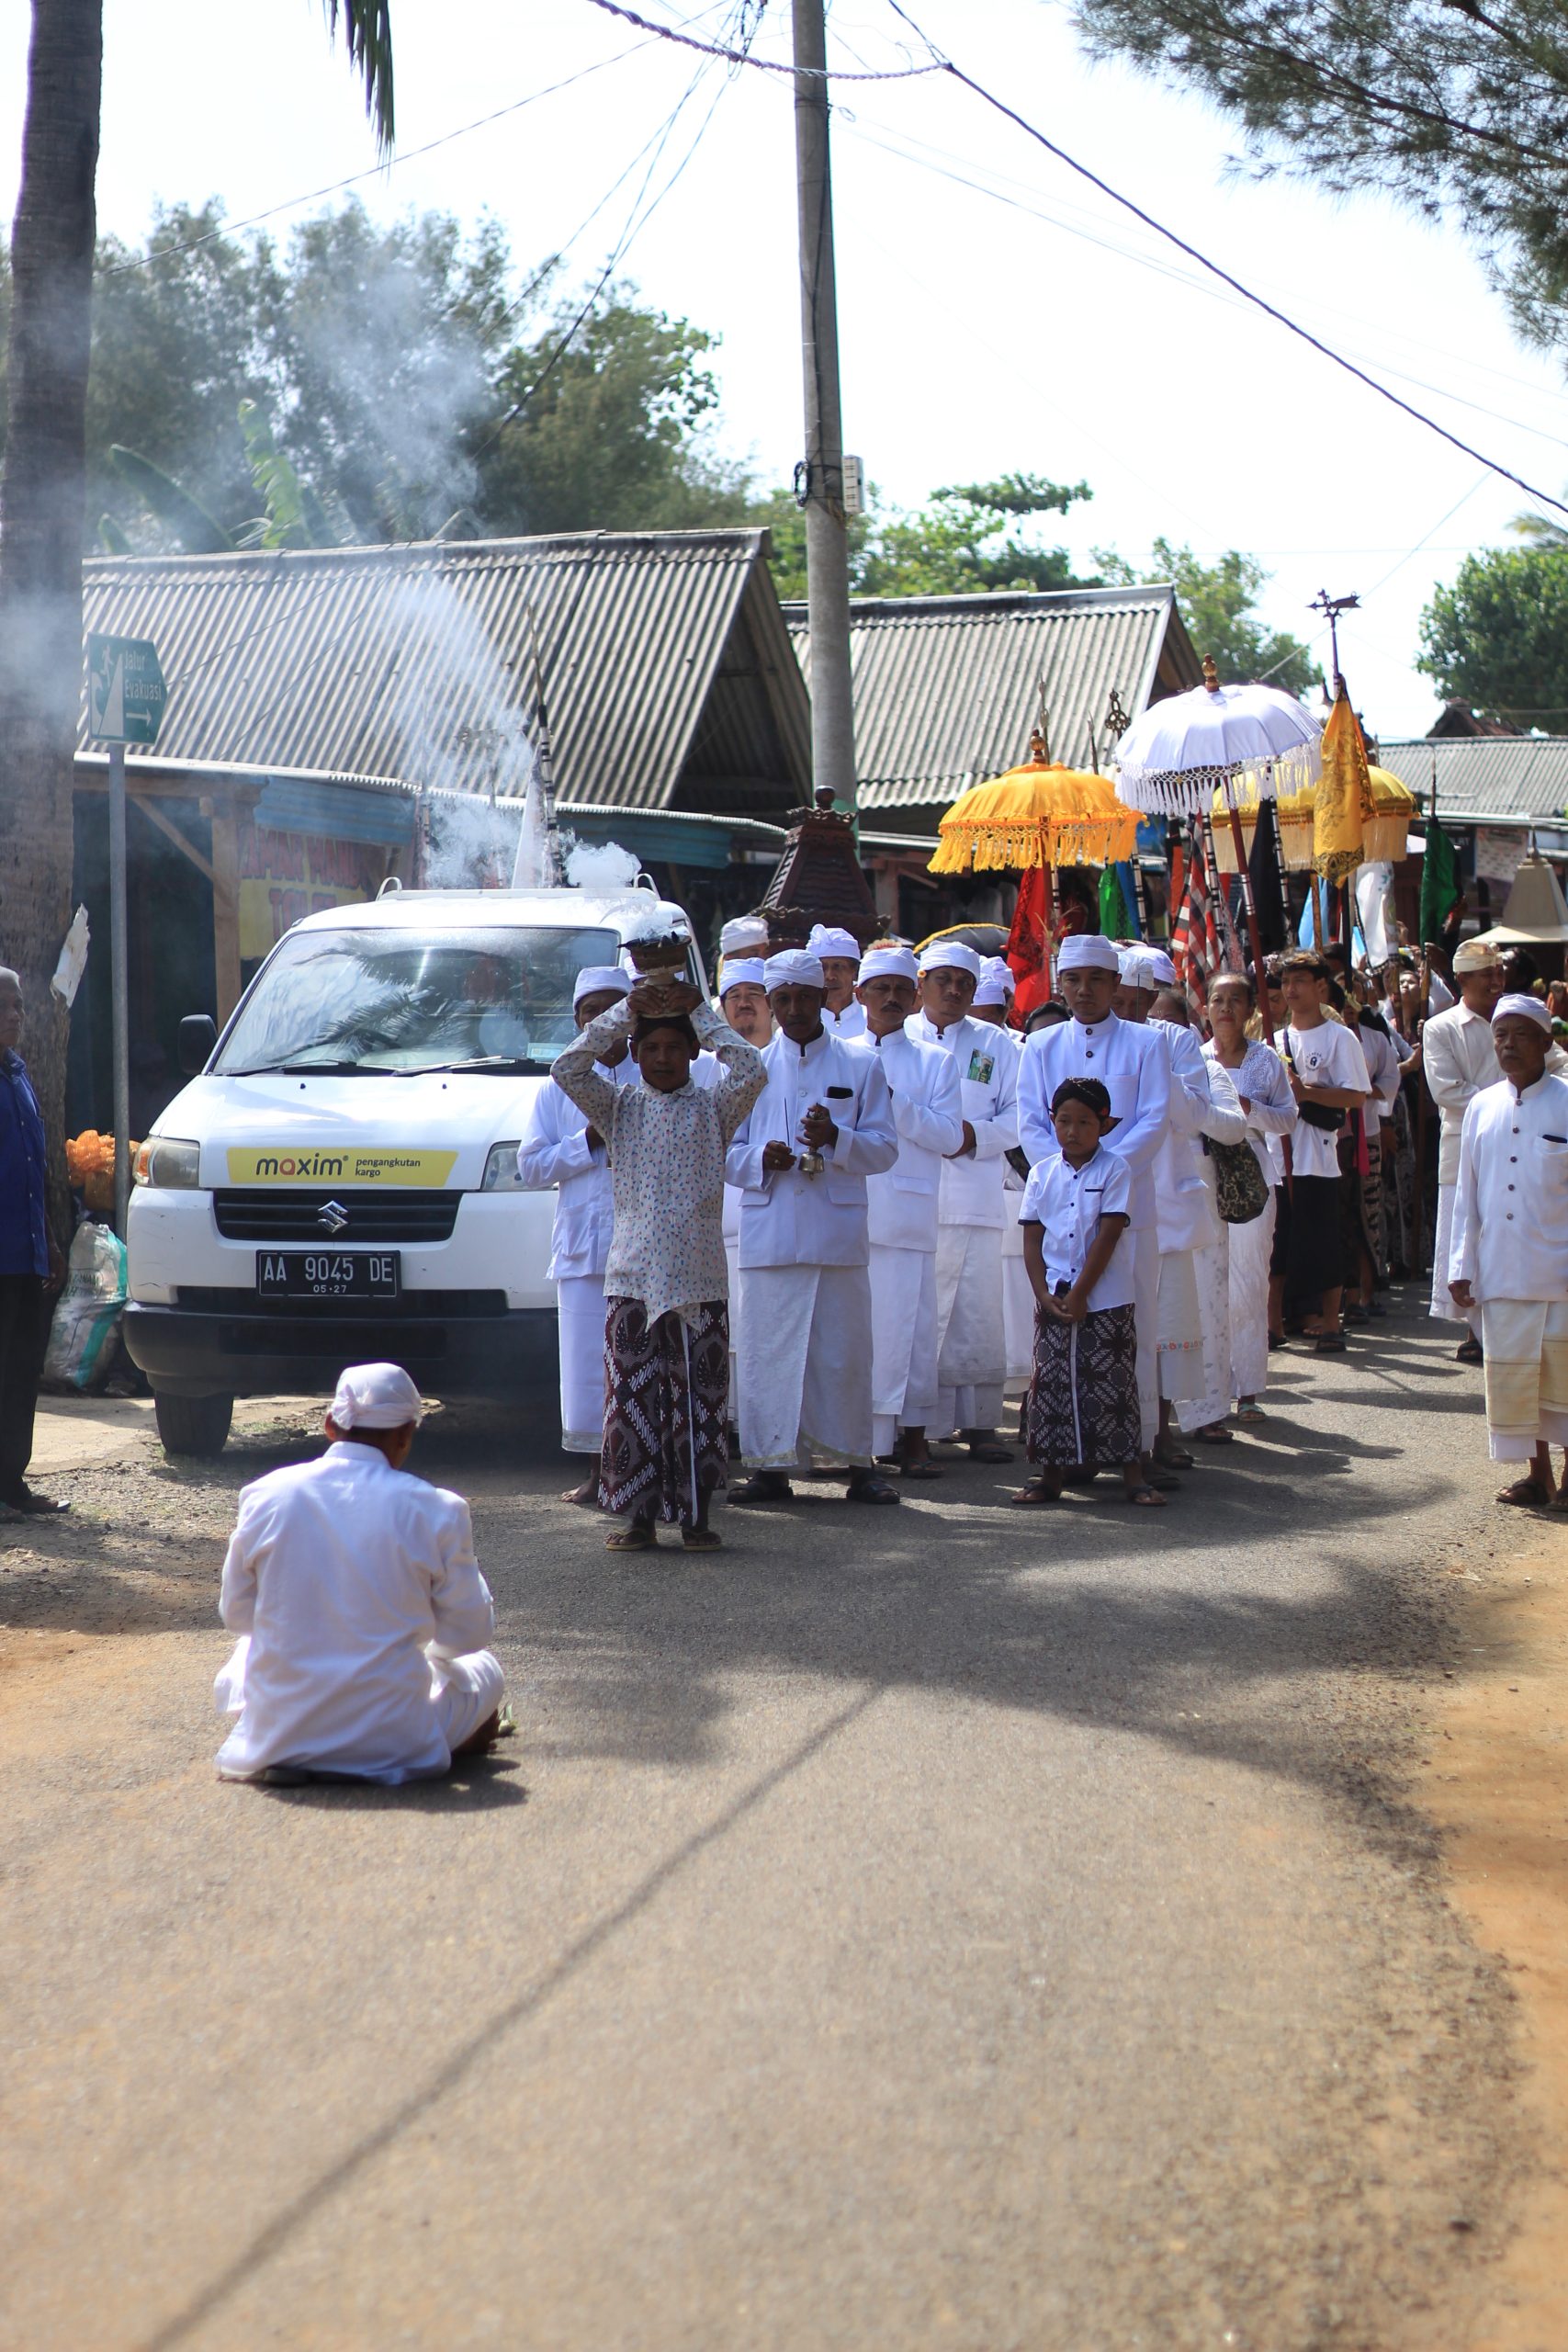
(339,1181)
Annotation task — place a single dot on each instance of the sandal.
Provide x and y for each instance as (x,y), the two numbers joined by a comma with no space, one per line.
(924,1468)
(1144,1496)
(1329,1343)
(1469,1351)
(866,1487)
(1034,1496)
(1249,1413)
(1526,1494)
(636,1538)
(1165,1480)
(701,1539)
(764,1487)
(981,1451)
(1171,1457)
(1214,1433)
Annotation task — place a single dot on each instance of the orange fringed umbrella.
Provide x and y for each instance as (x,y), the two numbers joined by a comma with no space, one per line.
(1039,814)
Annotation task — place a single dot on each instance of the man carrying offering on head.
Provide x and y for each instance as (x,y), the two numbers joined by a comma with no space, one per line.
(902,1212)
(801,1160)
(1508,1263)
(666,1328)
(359,1607)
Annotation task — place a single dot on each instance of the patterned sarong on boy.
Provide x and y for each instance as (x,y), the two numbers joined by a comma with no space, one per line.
(1082,1403)
(667,1387)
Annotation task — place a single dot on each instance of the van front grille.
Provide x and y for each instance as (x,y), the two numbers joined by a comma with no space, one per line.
(402,1213)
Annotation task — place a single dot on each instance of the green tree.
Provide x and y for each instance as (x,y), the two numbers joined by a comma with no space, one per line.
(965,540)
(608,424)
(44,480)
(1218,603)
(1498,637)
(1450,106)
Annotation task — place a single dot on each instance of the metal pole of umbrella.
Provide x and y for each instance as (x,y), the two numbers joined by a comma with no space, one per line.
(120,989)
(1253,935)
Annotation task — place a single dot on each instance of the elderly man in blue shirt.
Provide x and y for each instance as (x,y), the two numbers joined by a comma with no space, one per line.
(31,1265)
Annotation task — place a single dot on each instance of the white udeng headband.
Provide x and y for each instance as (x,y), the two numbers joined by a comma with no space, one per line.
(376,1396)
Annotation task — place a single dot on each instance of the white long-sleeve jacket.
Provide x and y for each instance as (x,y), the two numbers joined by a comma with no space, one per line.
(344,1578)
(1510,1232)
(1132,1062)
(928,1110)
(987,1084)
(1204,1101)
(555,1151)
(791,1219)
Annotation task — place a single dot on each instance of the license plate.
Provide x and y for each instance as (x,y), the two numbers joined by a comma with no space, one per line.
(329,1274)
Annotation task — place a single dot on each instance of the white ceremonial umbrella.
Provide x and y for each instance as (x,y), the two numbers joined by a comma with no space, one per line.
(1250,742)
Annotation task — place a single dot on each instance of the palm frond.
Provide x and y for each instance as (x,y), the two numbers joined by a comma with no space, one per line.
(368,27)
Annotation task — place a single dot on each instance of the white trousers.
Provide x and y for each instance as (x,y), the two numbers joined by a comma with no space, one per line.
(1180,1326)
(971,1357)
(466,1692)
(1210,1269)
(1250,1248)
(804,1365)
(1146,1322)
(1526,1342)
(1442,1305)
(1018,1300)
(580,1321)
(902,1342)
(732,1257)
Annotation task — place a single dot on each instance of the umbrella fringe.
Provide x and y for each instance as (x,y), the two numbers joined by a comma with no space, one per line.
(1188,792)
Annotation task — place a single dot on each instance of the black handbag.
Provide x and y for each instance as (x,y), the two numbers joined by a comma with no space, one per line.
(1314,1114)
(1241,1189)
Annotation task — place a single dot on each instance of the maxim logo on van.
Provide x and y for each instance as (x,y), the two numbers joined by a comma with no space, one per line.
(278,1166)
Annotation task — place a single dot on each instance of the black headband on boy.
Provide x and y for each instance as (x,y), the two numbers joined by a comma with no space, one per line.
(1087,1091)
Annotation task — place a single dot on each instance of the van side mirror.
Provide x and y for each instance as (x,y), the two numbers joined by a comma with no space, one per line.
(198,1035)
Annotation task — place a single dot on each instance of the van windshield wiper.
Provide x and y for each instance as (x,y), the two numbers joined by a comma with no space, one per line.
(296,1069)
(524,1064)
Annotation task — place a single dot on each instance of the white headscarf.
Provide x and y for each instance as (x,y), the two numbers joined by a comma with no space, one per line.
(742,971)
(1530,1007)
(827,940)
(1135,969)
(950,955)
(1085,951)
(996,983)
(744,935)
(792,967)
(376,1396)
(1164,969)
(888,960)
(600,979)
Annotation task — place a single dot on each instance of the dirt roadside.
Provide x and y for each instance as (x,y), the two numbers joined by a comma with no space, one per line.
(1496,1782)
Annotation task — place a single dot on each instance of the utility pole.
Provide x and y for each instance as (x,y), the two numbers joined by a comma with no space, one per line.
(819,481)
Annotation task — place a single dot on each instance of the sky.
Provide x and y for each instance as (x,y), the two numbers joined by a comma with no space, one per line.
(995,313)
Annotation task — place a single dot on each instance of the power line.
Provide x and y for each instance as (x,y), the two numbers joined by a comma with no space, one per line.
(942,64)
(766,64)
(373,172)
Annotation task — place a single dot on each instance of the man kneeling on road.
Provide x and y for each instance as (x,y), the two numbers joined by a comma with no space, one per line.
(359,1607)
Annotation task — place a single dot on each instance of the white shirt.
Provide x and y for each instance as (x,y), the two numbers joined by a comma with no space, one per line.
(1459,1060)
(554,1150)
(928,1110)
(1382,1058)
(849,1023)
(1327,1056)
(1132,1062)
(791,1219)
(348,1577)
(1202,1103)
(1067,1204)
(1510,1234)
(1263,1079)
(987,1082)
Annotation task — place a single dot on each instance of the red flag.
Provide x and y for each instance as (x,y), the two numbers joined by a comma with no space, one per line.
(1025,952)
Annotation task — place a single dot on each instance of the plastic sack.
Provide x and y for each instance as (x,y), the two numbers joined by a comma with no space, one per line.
(87,1313)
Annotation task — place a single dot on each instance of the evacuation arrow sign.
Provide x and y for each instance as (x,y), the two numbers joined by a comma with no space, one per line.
(126,693)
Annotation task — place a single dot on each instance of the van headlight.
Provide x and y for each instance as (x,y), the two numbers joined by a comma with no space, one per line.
(172,1165)
(501,1169)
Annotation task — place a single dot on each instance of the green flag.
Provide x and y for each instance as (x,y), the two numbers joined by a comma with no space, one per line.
(1114,920)
(1439,883)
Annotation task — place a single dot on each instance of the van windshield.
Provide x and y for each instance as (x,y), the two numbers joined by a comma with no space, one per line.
(360,1001)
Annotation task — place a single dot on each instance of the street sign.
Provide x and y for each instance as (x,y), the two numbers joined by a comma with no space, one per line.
(126,693)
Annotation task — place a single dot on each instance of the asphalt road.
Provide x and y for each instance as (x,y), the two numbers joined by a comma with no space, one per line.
(942,1927)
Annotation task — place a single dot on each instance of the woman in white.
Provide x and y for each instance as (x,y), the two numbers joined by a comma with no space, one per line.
(1264,1092)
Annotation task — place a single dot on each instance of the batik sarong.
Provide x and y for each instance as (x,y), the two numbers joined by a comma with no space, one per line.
(665,1393)
(1082,1403)
(1360,1206)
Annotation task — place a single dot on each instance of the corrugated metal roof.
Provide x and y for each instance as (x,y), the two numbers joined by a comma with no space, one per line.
(417,663)
(1484,776)
(946,687)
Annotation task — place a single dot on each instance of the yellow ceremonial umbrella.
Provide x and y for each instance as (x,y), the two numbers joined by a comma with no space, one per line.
(1039,814)
(1386,832)
(1385,824)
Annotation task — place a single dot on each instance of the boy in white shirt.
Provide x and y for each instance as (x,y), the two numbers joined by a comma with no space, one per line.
(1082,1407)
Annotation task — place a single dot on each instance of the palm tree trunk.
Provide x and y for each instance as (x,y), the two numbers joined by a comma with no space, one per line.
(42,492)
